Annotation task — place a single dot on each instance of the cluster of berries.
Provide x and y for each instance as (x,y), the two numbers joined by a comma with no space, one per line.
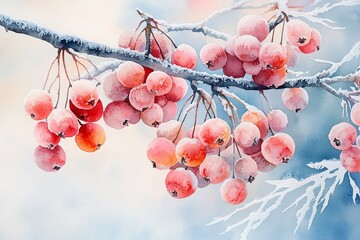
(343,136)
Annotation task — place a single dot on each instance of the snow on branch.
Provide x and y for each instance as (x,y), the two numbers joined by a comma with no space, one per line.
(62,41)
(318,189)
(312,16)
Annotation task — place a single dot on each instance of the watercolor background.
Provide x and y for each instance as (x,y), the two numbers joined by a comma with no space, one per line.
(114,193)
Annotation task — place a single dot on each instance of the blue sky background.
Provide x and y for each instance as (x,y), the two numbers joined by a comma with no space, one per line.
(114,193)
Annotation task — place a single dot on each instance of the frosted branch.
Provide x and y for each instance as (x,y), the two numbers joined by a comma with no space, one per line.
(62,41)
(100,69)
(314,195)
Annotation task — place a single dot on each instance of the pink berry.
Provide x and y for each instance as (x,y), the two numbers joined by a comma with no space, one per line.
(233,191)
(298,32)
(214,169)
(259,119)
(246,169)
(113,89)
(350,159)
(314,43)
(229,45)
(271,78)
(91,115)
(253,149)
(184,56)
(170,110)
(160,46)
(178,90)
(49,160)
(213,56)
(44,137)
(246,134)
(172,130)
(355,114)
(161,152)
(140,98)
(272,55)
(278,149)
(277,120)
(152,116)
(63,123)
(262,164)
(247,47)
(190,152)
(119,114)
(342,136)
(38,104)
(233,67)
(84,94)
(214,133)
(130,74)
(253,67)
(295,99)
(254,25)
(180,183)
(159,83)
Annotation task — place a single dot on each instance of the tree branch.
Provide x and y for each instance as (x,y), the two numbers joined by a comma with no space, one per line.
(61,41)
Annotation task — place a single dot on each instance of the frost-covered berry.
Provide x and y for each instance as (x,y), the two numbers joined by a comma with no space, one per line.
(190,152)
(278,148)
(246,134)
(262,164)
(44,137)
(178,89)
(88,115)
(259,119)
(84,94)
(119,114)
(246,169)
(253,67)
(214,169)
(247,48)
(180,183)
(295,99)
(214,133)
(63,122)
(254,25)
(271,78)
(91,137)
(253,149)
(314,44)
(298,32)
(160,46)
(140,98)
(213,56)
(278,120)
(113,89)
(158,83)
(234,67)
(152,116)
(161,152)
(49,160)
(130,74)
(272,55)
(342,136)
(233,191)
(355,113)
(38,104)
(184,56)
(350,159)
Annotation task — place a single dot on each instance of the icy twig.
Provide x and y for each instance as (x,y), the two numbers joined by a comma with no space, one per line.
(101,68)
(314,195)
